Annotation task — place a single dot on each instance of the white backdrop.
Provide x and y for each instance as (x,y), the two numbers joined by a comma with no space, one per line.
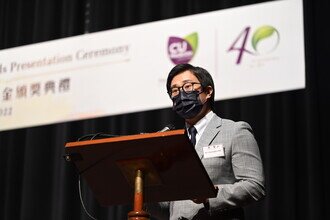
(249,50)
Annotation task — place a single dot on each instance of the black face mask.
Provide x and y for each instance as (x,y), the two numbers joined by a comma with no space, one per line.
(187,105)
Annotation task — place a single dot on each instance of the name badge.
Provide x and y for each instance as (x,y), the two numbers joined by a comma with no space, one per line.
(214,151)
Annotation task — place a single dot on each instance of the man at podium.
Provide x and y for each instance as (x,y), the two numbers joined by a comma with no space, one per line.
(228,150)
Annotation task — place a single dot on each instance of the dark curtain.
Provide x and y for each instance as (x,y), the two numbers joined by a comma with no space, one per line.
(291,127)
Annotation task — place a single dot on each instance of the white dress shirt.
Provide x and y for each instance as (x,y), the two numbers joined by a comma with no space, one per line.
(201,125)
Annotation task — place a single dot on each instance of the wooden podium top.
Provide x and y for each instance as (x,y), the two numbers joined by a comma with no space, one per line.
(172,168)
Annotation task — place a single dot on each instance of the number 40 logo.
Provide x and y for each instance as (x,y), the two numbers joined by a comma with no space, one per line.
(265,39)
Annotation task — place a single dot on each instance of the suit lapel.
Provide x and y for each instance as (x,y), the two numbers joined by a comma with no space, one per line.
(210,132)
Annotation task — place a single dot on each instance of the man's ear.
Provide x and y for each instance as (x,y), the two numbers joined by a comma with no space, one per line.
(208,91)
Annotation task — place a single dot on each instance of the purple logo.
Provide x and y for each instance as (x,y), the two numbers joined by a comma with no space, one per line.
(182,50)
(265,39)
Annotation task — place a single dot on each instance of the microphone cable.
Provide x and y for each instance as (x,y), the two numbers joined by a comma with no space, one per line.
(97,135)
(91,137)
(82,201)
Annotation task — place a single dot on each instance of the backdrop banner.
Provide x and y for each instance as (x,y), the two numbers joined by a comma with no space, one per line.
(250,50)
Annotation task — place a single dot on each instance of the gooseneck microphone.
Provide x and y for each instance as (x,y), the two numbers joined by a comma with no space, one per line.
(167,128)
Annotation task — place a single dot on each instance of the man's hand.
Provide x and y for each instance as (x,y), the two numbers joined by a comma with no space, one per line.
(205,200)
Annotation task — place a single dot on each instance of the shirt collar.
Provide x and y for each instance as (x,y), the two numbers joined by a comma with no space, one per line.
(201,124)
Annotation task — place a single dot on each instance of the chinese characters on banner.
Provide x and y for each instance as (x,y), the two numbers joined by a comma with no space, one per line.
(35,89)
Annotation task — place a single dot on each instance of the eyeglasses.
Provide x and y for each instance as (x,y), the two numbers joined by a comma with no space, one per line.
(187,87)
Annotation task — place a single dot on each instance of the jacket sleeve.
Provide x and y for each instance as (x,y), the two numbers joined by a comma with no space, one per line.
(247,169)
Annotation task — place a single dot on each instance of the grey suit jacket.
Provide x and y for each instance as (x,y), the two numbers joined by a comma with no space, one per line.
(238,174)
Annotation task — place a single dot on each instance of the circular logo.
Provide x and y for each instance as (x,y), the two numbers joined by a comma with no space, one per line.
(182,50)
(265,39)
(179,50)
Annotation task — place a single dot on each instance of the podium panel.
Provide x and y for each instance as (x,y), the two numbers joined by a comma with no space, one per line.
(172,168)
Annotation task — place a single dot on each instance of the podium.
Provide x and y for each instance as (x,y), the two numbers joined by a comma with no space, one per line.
(152,167)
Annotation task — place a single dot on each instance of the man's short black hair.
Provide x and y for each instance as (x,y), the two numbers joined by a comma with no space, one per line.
(202,75)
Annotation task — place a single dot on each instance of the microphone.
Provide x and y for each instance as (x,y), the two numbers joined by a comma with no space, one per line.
(167,128)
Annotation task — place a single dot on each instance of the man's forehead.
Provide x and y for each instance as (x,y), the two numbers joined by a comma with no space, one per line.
(186,76)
